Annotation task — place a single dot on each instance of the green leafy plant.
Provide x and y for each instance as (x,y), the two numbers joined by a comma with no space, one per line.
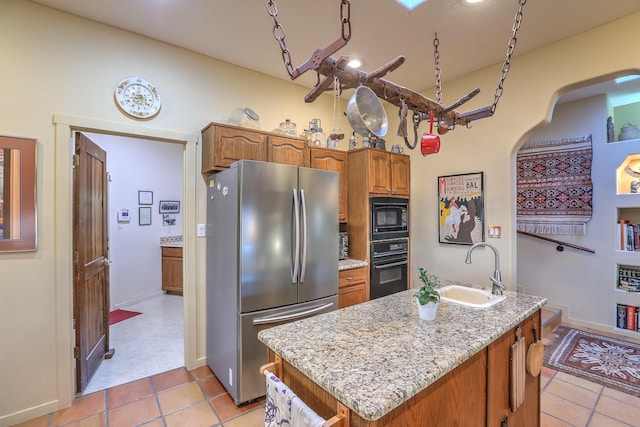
(427,292)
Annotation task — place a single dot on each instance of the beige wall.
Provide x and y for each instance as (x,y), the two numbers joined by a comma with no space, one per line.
(59,73)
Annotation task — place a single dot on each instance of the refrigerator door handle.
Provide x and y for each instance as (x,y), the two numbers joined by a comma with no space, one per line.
(287,317)
(303,268)
(296,254)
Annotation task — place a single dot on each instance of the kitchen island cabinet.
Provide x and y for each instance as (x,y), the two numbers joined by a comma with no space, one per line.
(392,369)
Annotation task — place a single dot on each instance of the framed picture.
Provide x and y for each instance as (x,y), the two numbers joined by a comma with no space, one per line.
(461,208)
(168,219)
(144,216)
(169,206)
(145,197)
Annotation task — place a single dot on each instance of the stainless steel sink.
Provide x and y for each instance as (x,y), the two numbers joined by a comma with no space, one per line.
(471,297)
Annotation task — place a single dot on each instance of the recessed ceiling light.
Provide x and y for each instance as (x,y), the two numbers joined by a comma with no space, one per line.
(473,1)
(411,4)
(354,63)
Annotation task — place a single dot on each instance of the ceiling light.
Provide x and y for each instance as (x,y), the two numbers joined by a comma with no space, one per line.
(411,4)
(354,63)
(473,1)
(627,78)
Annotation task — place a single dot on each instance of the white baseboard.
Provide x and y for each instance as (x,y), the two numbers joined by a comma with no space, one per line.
(29,413)
(137,300)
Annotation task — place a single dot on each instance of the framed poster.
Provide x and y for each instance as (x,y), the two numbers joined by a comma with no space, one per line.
(169,206)
(145,197)
(461,208)
(144,216)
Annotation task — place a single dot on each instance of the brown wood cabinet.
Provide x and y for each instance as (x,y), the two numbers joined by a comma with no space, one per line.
(400,172)
(172,269)
(336,161)
(386,173)
(353,286)
(224,144)
(287,150)
(498,380)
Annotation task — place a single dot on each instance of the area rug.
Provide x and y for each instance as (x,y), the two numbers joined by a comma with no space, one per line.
(119,315)
(607,361)
(553,185)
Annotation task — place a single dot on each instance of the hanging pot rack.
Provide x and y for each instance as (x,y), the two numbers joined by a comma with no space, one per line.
(405,99)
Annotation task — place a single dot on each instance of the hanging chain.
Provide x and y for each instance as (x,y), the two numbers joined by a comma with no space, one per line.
(507,63)
(279,33)
(436,57)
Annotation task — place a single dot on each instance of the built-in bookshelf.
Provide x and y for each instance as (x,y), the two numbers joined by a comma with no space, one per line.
(627,198)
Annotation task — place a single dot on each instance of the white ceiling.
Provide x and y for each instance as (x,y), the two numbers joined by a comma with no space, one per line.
(472,36)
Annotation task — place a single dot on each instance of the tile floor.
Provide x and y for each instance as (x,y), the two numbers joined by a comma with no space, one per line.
(147,344)
(196,398)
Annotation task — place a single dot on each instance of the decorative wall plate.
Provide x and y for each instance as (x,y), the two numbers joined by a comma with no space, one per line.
(137,97)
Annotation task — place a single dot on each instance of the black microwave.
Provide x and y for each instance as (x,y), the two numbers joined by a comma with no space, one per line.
(389,218)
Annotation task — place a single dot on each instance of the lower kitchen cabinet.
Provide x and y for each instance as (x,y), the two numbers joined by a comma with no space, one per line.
(172,269)
(353,286)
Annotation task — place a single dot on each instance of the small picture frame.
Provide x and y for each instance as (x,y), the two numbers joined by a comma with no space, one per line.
(144,216)
(169,206)
(145,197)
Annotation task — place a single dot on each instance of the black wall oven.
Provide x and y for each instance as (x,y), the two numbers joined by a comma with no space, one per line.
(389,218)
(389,261)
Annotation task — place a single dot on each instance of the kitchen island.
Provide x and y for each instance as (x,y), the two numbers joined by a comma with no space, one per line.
(388,367)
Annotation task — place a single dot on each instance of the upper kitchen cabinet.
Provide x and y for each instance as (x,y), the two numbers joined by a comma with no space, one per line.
(386,173)
(400,174)
(287,150)
(335,161)
(224,144)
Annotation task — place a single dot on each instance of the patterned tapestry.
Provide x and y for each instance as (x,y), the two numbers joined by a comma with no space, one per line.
(553,183)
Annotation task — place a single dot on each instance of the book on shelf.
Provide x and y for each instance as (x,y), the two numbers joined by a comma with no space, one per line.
(629,278)
(631,317)
(628,236)
(623,236)
(621,318)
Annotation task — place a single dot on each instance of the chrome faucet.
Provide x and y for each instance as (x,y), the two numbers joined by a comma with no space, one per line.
(498,286)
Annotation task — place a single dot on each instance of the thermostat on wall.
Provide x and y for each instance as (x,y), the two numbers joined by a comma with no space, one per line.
(123,215)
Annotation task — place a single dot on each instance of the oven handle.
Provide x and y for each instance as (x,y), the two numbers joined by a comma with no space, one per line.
(393,264)
(387,254)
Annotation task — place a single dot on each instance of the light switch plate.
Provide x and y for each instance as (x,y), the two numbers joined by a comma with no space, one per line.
(202,230)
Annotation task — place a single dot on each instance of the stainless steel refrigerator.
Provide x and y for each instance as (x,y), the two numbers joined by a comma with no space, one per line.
(272,258)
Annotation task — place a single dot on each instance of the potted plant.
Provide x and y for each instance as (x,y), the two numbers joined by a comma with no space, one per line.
(427,297)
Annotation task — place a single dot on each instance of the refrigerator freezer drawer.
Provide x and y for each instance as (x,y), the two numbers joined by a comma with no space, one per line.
(253,353)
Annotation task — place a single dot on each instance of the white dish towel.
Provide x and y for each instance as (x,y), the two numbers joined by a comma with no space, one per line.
(284,408)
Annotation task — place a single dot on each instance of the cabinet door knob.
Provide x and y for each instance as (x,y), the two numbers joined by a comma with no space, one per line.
(107,261)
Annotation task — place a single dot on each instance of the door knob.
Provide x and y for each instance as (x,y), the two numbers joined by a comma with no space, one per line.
(106,261)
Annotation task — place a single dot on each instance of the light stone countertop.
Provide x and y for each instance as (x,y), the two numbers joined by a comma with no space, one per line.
(171,241)
(374,356)
(347,264)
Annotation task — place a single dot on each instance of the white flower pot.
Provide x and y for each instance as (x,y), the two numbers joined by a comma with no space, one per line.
(427,311)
